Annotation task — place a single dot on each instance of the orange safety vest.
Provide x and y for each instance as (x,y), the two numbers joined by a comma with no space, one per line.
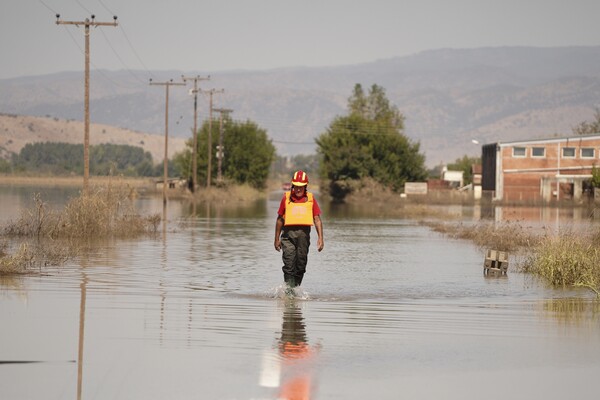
(298,213)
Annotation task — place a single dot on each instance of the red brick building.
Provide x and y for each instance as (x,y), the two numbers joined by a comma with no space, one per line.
(539,170)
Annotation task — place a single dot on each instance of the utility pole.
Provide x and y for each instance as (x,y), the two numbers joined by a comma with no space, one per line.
(86,135)
(166,159)
(194,91)
(211,92)
(220,152)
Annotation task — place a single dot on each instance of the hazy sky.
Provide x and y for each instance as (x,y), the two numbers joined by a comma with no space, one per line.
(215,35)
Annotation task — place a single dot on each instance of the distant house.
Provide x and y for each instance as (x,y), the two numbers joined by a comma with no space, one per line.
(172,183)
(455,179)
(539,170)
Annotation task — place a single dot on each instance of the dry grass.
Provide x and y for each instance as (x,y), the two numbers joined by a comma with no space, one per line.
(105,212)
(30,258)
(228,194)
(567,259)
(73,181)
(48,237)
(507,236)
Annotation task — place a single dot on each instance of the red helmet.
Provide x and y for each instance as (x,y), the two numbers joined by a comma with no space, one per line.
(300,178)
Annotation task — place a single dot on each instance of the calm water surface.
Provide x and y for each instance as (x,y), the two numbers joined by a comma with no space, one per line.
(389,310)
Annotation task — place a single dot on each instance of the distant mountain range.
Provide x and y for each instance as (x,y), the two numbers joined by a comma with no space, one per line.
(449,97)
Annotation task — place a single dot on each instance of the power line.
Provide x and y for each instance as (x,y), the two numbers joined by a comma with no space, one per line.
(84,7)
(122,30)
(134,51)
(120,59)
(106,8)
(48,7)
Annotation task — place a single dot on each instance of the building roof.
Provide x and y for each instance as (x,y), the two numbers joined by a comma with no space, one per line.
(576,138)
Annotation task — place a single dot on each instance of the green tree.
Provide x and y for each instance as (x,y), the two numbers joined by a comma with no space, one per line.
(595,176)
(4,166)
(121,159)
(464,164)
(589,128)
(52,157)
(248,153)
(369,142)
(64,158)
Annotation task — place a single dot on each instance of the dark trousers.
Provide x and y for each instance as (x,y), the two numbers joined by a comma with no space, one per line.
(295,243)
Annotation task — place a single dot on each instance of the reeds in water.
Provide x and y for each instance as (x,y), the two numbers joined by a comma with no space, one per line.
(507,236)
(106,212)
(567,259)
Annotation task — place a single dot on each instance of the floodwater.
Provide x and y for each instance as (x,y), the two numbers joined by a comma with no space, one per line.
(388,310)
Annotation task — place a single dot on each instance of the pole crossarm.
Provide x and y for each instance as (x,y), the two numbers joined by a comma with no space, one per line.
(169,83)
(87,22)
(223,110)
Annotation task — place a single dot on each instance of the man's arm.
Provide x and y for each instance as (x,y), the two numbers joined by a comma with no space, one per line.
(278,227)
(320,239)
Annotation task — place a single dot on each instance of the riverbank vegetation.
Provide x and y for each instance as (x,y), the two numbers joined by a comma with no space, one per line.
(560,259)
(43,236)
(507,236)
(567,259)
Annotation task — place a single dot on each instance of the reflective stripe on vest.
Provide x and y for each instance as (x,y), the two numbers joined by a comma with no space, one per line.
(298,213)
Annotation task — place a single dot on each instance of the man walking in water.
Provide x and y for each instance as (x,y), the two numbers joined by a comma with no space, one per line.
(298,211)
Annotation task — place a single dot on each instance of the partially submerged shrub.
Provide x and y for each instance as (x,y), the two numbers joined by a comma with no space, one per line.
(30,258)
(106,212)
(16,263)
(567,260)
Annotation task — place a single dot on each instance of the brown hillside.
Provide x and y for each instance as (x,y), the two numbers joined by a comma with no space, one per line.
(18,130)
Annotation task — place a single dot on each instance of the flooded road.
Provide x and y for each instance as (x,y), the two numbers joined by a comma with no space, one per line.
(388,310)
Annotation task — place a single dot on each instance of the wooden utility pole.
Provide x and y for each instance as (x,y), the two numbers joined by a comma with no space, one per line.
(220,152)
(86,135)
(166,159)
(194,91)
(211,92)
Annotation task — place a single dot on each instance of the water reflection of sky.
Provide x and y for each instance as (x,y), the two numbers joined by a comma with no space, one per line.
(390,310)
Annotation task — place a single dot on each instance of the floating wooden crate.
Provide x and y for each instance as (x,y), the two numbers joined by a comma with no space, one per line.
(495,262)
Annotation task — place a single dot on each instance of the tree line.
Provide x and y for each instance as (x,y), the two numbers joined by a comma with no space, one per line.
(65,158)
(368,142)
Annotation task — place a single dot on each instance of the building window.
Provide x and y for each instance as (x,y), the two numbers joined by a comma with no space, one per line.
(587,152)
(519,151)
(538,152)
(568,152)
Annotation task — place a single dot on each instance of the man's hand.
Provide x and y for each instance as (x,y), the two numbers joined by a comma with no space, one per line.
(319,226)
(278,226)
(320,244)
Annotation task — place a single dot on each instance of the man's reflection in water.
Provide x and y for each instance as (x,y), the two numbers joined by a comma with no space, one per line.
(295,362)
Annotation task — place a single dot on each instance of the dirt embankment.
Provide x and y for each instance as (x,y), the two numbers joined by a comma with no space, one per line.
(18,130)
(72,181)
